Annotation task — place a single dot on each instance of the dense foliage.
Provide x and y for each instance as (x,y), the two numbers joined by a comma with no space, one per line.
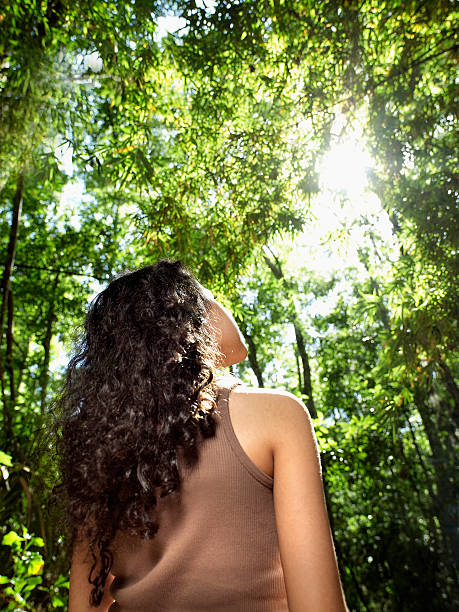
(205,144)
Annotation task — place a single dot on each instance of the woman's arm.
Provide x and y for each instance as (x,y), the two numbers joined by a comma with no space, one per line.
(305,540)
(80,588)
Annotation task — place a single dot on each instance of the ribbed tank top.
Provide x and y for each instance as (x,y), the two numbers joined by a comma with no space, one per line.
(216,549)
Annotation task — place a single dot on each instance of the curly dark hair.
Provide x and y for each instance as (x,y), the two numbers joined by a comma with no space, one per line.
(139,389)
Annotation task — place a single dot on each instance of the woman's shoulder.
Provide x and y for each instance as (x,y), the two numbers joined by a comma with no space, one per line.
(272,404)
(267,394)
(270,419)
(227,379)
(271,401)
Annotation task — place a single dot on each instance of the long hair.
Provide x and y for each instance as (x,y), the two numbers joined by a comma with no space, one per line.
(139,388)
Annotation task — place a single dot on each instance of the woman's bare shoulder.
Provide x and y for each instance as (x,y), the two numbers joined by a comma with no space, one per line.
(270,396)
(275,407)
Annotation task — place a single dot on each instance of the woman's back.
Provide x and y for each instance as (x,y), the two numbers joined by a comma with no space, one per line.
(217,546)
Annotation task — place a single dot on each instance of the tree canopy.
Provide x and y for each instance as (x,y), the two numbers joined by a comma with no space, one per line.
(135,130)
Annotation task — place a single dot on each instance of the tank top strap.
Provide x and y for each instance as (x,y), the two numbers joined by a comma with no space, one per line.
(226,385)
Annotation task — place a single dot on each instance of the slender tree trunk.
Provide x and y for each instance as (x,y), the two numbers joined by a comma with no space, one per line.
(452,388)
(4,289)
(253,359)
(427,476)
(9,365)
(51,317)
(298,370)
(307,384)
(416,484)
(11,251)
(445,504)
(22,364)
(252,353)
(276,269)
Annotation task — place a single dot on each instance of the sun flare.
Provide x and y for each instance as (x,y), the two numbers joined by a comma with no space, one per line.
(344,168)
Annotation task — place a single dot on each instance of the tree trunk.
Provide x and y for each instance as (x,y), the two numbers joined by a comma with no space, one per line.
(445,503)
(427,476)
(253,360)
(11,251)
(22,364)
(298,370)
(252,355)
(452,388)
(276,269)
(4,288)
(307,384)
(416,485)
(51,317)
(9,365)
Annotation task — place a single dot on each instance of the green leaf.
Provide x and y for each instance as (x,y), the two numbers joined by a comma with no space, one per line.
(11,538)
(10,591)
(62,581)
(57,602)
(35,566)
(6,459)
(37,541)
(32,582)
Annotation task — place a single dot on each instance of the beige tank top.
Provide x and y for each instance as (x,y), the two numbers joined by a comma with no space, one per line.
(216,549)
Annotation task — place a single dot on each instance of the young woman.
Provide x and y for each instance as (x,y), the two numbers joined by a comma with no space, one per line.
(186,491)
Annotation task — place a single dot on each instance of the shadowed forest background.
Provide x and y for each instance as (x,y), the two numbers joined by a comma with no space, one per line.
(134,130)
